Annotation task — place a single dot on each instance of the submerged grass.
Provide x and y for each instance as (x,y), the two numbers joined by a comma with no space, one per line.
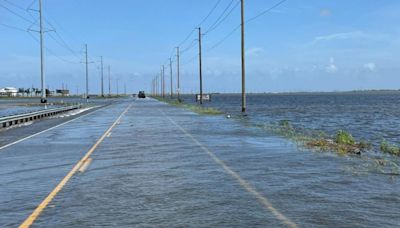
(389,148)
(343,142)
(194,108)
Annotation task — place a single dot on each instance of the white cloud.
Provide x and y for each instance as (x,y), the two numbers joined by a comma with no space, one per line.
(370,66)
(256,51)
(331,68)
(341,36)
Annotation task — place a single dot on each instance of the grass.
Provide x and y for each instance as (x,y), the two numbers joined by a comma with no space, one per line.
(388,148)
(192,107)
(343,142)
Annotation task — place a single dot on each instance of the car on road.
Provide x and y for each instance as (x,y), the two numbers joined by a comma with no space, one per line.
(141,94)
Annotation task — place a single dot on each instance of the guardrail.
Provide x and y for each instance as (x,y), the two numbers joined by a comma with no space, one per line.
(26,117)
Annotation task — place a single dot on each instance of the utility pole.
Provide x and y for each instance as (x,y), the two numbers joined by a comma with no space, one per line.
(177,72)
(42,76)
(159,90)
(109,81)
(124,88)
(102,77)
(163,81)
(157,86)
(200,69)
(87,74)
(117,80)
(243,61)
(170,68)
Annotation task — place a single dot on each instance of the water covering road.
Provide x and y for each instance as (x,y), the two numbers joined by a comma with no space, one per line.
(165,166)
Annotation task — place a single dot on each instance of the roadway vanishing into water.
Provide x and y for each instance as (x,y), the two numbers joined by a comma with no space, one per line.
(142,163)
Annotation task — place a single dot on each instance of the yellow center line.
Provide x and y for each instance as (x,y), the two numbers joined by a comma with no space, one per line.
(36,213)
(247,186)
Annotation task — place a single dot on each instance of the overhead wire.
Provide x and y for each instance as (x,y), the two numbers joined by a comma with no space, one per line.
(12,27)
(52,52)
(247,21)
(222,19)
(209,14)
(266,11)
(16,14)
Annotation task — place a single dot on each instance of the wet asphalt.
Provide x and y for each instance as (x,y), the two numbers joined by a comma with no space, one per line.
(156,169)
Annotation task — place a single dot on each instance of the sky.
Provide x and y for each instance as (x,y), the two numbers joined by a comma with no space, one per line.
(298,46)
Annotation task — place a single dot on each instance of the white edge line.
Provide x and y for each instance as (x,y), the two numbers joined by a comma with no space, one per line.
(49,129)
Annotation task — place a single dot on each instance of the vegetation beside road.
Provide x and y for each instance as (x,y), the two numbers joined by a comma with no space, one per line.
(192,107)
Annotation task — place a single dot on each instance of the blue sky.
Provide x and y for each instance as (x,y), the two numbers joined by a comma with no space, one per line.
(313,45)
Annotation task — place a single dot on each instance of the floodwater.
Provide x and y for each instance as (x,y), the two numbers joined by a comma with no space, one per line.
(14,106)
(156,169)
(370,116)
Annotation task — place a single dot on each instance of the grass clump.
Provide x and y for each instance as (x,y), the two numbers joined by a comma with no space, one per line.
(344,138)
(389,148)
(203,110)
(193,107)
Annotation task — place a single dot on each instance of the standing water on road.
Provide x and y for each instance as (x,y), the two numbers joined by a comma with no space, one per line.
(371,117)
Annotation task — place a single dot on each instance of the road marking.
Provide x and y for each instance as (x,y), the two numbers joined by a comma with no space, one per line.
(36,213)
(44,131)
(247,186)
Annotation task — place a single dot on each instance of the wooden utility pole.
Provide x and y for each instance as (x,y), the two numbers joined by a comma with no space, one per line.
(87,73)
(156,84)
(117,82)
(177,72)
(163,80)
(200,69)
(109,81)
(171,82)
(243,61)
(102,77)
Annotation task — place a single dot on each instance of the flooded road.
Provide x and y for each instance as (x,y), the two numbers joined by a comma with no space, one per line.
(166,166)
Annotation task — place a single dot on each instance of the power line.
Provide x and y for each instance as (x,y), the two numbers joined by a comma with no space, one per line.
(217,22)
(62,44)
(52,52)
(187,37)
(224,39)
(209,14)
(249,20)
(190,60)
(194,42)
(266,11)
(30,5)
(15,5)
(16,14)
(13,27)
(60,40)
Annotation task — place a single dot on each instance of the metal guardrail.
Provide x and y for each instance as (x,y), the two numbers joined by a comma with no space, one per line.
(26,117)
